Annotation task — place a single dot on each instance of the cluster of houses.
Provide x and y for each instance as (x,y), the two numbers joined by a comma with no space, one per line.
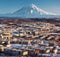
(29,39)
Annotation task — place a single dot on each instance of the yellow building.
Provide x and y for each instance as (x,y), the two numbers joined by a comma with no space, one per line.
(6,34)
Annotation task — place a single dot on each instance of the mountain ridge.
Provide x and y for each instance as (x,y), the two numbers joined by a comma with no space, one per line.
(31,11)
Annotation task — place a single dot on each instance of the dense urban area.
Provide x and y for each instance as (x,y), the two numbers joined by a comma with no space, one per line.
(30,37)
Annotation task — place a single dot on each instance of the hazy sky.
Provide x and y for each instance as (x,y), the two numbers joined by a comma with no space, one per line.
(7,6)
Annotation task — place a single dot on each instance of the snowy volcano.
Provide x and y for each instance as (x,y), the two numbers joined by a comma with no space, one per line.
(31,11)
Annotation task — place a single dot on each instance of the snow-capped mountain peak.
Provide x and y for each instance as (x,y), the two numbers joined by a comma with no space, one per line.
(31,11)
(38,9)
(41,10)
